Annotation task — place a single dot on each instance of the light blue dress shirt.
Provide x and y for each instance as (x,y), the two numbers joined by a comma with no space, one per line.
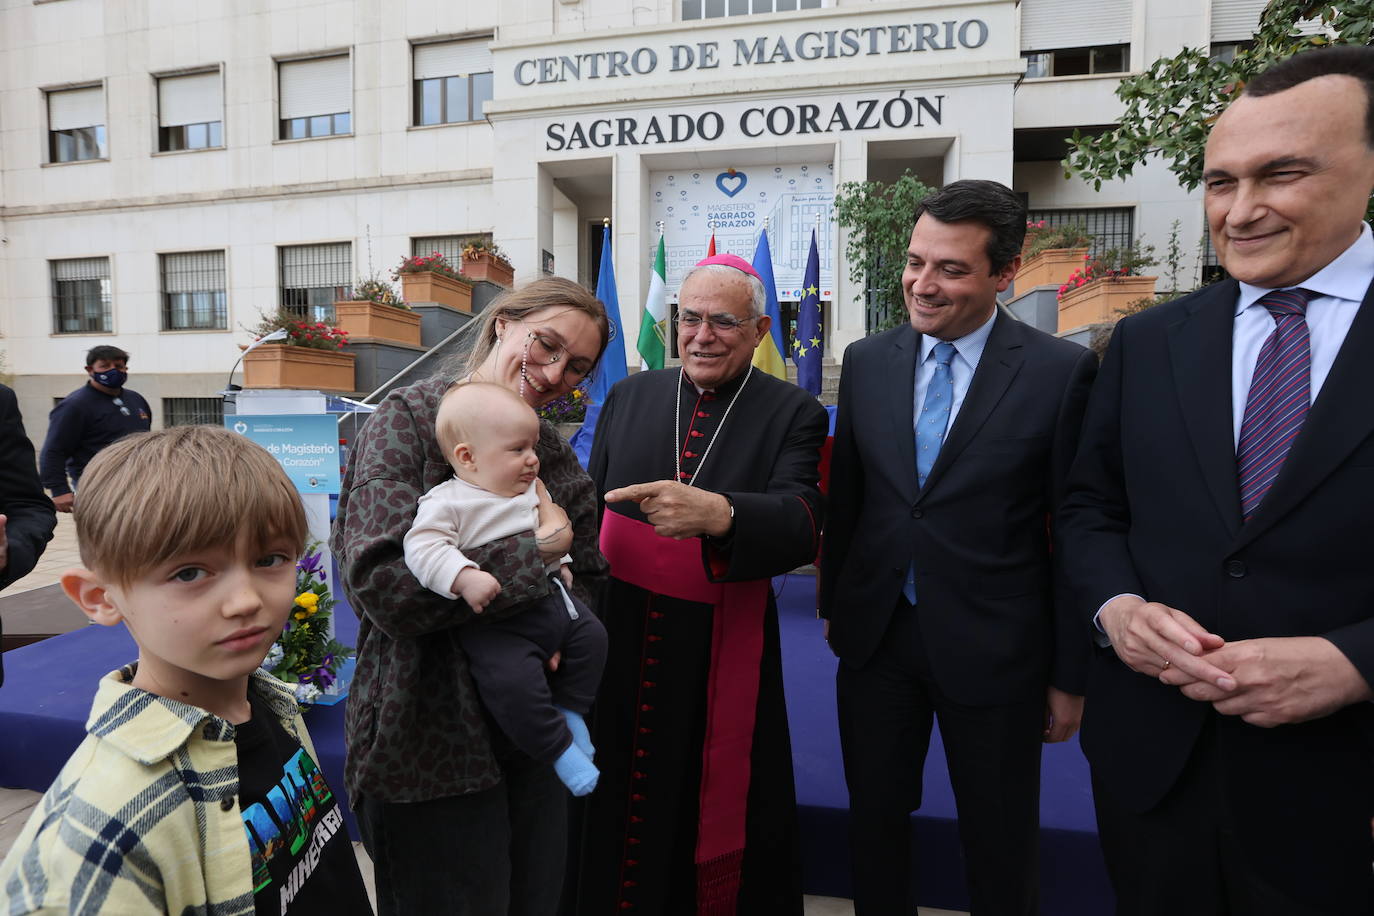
(968,350)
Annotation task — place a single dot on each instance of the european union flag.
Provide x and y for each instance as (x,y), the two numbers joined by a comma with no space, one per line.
(809,344)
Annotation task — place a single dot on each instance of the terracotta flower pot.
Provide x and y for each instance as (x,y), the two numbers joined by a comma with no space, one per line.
(281,366)
(1100,299)
(371,320)
(427,286)
(1050,267)
(490,267)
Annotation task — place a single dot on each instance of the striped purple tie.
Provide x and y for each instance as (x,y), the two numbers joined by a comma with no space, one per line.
(1279,396)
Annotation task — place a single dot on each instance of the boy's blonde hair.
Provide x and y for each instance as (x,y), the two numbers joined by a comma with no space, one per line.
(461,411)
(152,497)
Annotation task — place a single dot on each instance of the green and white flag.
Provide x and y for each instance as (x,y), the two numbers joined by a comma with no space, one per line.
(653,324)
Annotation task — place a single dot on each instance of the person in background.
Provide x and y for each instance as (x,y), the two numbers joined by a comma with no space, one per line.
(91,417)
(27,518)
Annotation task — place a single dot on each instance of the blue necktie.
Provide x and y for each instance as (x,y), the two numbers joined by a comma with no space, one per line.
(931,422)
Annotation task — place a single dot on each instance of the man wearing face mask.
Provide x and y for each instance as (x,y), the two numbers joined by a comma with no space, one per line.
(87,420)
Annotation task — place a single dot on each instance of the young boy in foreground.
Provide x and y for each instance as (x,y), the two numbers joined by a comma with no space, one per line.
(196,788)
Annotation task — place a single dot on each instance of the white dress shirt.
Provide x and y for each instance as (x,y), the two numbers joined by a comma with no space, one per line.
(968,350)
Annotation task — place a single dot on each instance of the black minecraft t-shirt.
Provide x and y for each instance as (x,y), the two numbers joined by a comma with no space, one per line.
(302,859)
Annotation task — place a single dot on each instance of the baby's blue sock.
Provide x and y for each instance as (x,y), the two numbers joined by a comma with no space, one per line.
(578,726)
(576,770)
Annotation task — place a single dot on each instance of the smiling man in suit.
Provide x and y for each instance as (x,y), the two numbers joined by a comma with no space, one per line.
(953,440)
(1219,526)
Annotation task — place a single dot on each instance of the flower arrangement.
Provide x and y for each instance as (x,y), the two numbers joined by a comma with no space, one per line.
(375,289)
(570,408)
(475,247)
(1110,265)
(305,654)
(302,333)
(1042,237)
(434,263)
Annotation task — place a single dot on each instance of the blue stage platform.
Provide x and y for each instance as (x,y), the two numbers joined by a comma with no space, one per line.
(49,686)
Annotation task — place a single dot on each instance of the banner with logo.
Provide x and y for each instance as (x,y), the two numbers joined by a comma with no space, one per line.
(733,203)
(305,445)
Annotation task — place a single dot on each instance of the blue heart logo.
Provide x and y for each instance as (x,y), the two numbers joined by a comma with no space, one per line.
(725,179)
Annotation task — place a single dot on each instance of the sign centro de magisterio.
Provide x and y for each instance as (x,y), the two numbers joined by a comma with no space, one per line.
(762,50)
(897,112)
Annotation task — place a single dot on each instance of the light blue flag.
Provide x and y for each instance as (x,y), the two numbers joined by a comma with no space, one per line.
(611,368)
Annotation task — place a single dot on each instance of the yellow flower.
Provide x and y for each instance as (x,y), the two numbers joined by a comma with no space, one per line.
(308,600)
(300,615)
(576,393)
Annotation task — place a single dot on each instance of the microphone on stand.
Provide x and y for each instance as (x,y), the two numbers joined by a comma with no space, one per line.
(278,334)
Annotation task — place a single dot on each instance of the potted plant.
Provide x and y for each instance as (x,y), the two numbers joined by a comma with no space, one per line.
(1050,254)
(306,654)
(1103,285)
(377,312)
(311,356)
(483,260)
(566,412)
(431,278)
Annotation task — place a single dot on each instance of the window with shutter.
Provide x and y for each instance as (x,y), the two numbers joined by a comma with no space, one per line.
(190,111)
(452,81)
(193,294)
(316,97)
(76,124)
(313,277)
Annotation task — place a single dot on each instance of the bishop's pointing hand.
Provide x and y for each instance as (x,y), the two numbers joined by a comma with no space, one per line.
(677,510)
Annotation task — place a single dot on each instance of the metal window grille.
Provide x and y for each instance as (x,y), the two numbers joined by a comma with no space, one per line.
(450,246)
(192,412)
(1111,227)
(193,295)
(81,295)
(313,277)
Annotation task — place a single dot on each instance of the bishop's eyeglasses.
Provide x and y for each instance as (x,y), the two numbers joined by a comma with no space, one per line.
(720,322)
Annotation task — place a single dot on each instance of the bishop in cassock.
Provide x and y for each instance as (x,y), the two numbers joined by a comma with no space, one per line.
(709,474)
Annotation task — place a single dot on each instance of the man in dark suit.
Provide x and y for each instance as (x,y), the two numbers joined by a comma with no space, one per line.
(27,518)
(1219,526)
(952,443)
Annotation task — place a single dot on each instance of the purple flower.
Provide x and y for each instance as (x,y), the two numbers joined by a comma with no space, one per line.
(322,676)
(310,564)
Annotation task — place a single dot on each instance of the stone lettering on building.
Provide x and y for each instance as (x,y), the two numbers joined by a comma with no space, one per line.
(755,52)
(783,119)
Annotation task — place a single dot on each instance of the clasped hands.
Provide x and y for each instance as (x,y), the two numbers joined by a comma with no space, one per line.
(1267,681)
(677,510)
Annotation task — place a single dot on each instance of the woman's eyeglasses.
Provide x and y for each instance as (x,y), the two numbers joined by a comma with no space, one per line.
(720,322)
(119,402)
(546,351)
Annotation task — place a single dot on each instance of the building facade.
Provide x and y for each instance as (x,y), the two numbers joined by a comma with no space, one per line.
(170,170)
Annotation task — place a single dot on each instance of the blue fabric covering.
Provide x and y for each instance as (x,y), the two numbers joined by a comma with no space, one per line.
(49,687)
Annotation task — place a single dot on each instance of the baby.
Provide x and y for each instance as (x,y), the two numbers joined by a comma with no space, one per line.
(488,433)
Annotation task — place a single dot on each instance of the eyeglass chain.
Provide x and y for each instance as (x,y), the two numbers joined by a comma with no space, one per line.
(677,426)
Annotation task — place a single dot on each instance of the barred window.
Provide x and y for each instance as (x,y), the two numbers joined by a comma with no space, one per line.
(81,295)
(450,246)
(713,9)
(1112,227)
(192,412)
(314,276)
(193,294)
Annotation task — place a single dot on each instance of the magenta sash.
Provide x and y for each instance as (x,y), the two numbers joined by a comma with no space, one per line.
(667,566)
